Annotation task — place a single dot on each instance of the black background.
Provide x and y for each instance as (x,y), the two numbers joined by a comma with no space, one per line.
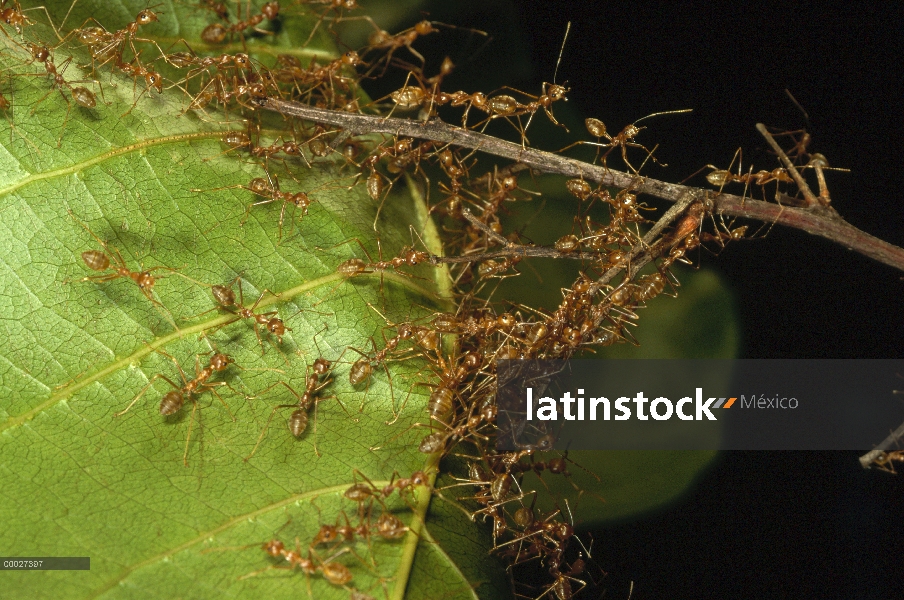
(757,525)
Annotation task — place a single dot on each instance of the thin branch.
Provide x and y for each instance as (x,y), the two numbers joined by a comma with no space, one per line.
(499,239)
(867,459)
(516,250)
(644,252)
(637,258)
(801,184)
(818,220)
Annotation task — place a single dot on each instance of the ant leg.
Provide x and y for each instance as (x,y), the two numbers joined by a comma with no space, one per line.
(145,389)
(210,387)
(273,412)
(383,195)
(191,422)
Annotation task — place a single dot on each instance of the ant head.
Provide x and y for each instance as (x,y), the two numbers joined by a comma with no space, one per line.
(219,362)
(146,17)
(557,92)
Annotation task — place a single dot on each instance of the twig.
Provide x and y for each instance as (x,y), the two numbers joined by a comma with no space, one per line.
(516,250)
(817,220)
(482,226)
(808,193)
(867,459)
(644,251)
(636,258)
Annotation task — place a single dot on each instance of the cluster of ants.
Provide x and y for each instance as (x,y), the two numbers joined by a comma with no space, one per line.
(460,348)
(341,537)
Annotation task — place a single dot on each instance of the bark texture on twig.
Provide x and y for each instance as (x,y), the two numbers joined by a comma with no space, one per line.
(817,220)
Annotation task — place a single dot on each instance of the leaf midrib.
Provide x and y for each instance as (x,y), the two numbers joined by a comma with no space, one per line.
(133,147)
(162,341)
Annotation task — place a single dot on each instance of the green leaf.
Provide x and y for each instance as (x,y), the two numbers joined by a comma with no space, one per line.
(162,513)
(180,506)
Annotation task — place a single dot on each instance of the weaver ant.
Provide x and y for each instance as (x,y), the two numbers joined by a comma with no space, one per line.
(106,46)
(216,33)
(111,259)
(226,299)
(388,527)
(269,189)
(82,96)
(622,139)
(298,421)
(335,573)
(885,460)
(173,401)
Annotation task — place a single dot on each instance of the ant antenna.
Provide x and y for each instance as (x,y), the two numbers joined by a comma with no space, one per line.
(798,105)
(667,112)
(562,50)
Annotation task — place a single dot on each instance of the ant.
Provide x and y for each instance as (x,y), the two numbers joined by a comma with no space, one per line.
(267,188)
(719,177)
(562,585)
(237,140)
(271,192)
(298,421)
(362,493)
(383,40)
(135,70)
(436,441)
(106,46)
(225,297)
(622,140)
(335,573)
(173,401)
(409,97)
(885,459)
(111,259)
(388,527)
(408,256)
(14,17)
(239,63)
(506,106)
(354,267)
(315,76)
(402,154)
(82,96)
(362,369)
(219,88)
(216,33)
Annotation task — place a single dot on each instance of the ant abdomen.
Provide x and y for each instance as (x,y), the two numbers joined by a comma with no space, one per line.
(171,403)
(360,371)
(214,33)
(298,422)
(84,97)
(440,404)
(432,443)
(96,260)
(223,295)
(352,267)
